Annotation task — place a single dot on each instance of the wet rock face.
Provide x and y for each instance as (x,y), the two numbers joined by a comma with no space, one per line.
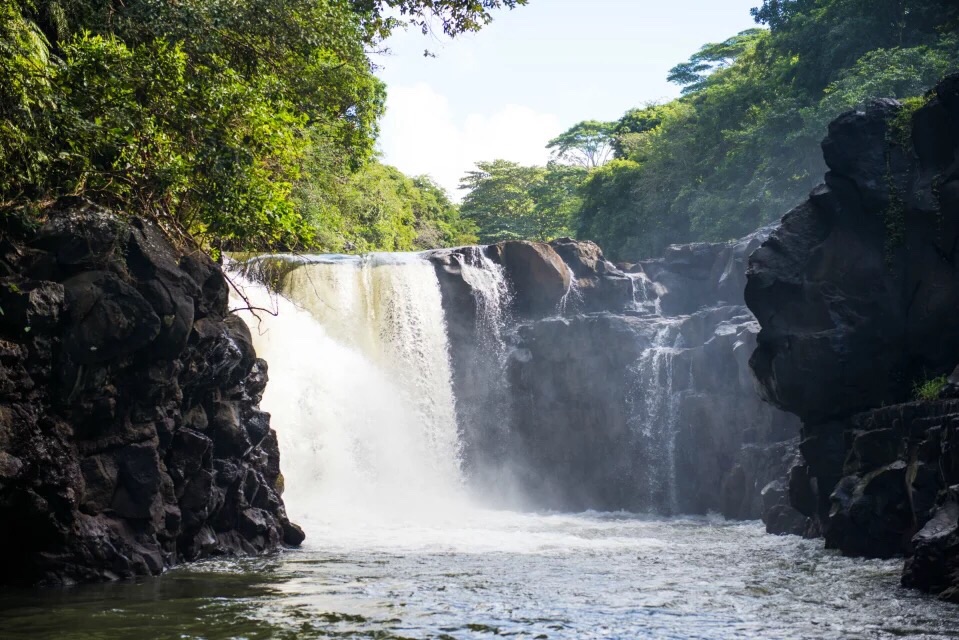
(539,277)
(568,400)
(598,284)
(130,435)
(856,293)
(702,274)
(614,411)
(856,290)
(592,399)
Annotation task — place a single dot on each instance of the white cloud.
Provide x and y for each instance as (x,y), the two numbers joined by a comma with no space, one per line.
(421,136)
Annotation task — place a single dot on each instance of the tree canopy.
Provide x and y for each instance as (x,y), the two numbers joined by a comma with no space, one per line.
(227,119)
(741,145)
(588,144)
(509,201)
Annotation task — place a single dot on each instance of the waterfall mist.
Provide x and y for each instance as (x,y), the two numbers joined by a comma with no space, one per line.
(360,388)
(419,389)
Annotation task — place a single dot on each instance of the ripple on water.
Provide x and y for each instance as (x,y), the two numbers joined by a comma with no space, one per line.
(507,575)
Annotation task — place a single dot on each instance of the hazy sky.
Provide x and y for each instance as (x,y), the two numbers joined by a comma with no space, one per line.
(505,91)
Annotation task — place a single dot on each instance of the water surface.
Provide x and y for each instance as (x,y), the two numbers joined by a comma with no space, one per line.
(498,574)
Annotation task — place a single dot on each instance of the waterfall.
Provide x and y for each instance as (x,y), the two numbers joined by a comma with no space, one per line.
(573,298)
(653,403)
(646,294)
(492,297)
(362,388)
(360,385)
(483,392)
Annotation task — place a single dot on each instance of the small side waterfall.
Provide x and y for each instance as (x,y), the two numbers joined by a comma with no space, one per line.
(572,300)
(653,404)
(482,388)
(492,297)
(360,385)
(645,294)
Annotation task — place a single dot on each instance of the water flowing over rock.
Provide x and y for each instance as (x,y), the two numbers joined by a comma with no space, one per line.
(631,391)
(130,433)
(362,386)
(856,292)
(410,385)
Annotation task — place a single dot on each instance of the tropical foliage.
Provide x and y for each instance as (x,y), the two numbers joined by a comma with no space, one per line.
(509,201)
(244,123)
(741,145)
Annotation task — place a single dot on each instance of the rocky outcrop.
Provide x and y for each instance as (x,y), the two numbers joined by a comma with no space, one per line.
(856,293)
(539,277)
(690,277)
(591,398)
(617,411)
(130,433)
(597,284)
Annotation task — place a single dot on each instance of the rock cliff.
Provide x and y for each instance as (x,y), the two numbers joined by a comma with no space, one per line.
(856,292)
(612,388)
(130,433)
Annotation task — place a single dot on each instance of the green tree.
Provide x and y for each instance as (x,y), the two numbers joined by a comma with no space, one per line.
(691,75)
(453,16)
(588,144)
(509,201)
(742,145)
(243,123)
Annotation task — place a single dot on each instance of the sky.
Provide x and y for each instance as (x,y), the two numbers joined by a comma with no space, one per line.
(505,91)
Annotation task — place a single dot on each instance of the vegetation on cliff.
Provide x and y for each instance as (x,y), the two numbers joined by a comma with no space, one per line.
(741,145)
(248,123)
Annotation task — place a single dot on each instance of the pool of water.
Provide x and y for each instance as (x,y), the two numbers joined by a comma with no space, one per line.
(500,574)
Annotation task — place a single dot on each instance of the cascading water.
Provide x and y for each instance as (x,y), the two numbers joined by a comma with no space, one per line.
(483,406)
(653,402)
(573,298)
(360,386)
(492,297)
(646,294)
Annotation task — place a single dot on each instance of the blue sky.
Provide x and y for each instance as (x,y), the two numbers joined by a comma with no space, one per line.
(505,91)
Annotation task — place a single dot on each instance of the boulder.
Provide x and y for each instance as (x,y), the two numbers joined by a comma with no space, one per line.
(934,565)
(539,278)
(107,319)
(598,285)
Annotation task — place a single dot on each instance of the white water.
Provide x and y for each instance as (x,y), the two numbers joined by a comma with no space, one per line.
(492,295)
(360,393)
(646,294)
(653,404)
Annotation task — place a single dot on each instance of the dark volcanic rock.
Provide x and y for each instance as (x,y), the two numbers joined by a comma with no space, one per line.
(130,437)
(618,411)
(600,402)
(934,564)
(702,274)
(856,293)
(569,390)
(107,318)
(537,281)
(598,285)
(538,277)
(856,290)
(588,398)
